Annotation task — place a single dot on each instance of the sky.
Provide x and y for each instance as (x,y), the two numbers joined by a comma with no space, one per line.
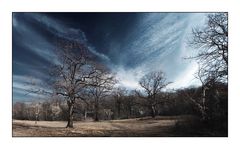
(130,44)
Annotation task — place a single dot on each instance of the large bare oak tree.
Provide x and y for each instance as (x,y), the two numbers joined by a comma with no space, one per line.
(71,75)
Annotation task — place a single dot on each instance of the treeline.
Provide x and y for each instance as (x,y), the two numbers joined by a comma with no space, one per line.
(125,104)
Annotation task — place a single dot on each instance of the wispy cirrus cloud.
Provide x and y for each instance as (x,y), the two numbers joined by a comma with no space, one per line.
(24,88)
(158,42)
(131,46)
(34,47)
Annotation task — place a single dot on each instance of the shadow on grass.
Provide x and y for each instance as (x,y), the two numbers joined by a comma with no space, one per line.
(194,127)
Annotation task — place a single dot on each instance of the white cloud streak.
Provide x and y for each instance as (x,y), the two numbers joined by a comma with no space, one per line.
(159,43)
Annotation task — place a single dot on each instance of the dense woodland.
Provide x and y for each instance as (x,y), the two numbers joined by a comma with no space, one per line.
(82,88)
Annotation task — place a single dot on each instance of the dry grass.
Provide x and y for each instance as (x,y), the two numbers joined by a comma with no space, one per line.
(160,126)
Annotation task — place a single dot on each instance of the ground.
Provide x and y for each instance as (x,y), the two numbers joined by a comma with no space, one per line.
(159,126)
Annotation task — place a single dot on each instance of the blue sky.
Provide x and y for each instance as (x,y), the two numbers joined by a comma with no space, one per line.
(130,44)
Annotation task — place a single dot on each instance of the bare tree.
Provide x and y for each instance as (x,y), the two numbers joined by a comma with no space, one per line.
(212,43)
(100,85)
(71,74)
(152,83)
(207,93)
(212,58)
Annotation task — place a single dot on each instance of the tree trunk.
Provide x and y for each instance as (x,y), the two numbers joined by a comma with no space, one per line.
(153,111)
(130,111)
(119,110)
(85,114)
(70,115)
(203,110)
(96,111)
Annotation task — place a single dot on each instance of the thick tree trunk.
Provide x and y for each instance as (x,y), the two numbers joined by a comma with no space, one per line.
(153,111)
(70,115)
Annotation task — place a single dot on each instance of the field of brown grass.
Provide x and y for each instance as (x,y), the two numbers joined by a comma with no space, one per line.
(159,126)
